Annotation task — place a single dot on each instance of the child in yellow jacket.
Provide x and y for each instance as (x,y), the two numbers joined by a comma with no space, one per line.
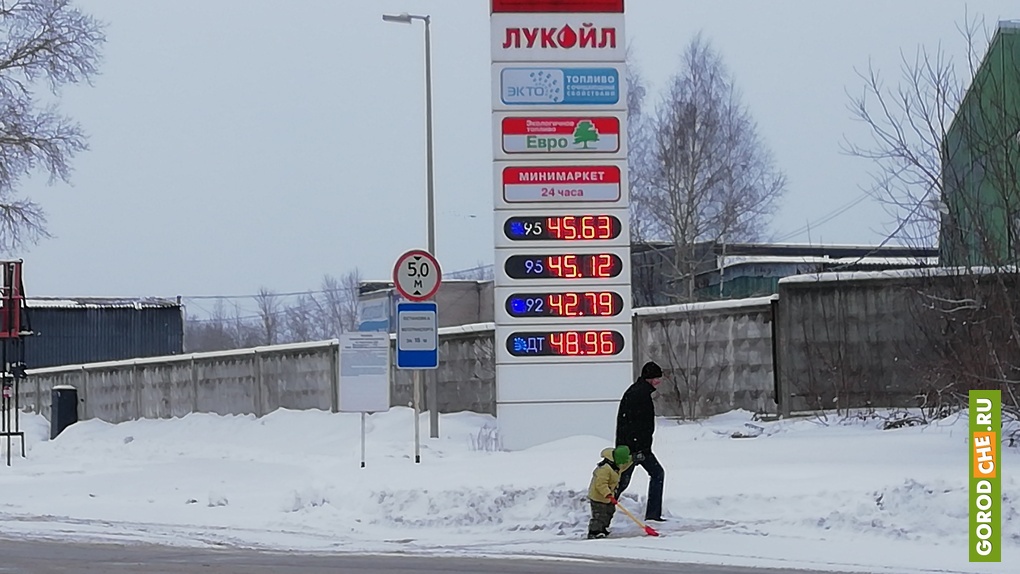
(604,480)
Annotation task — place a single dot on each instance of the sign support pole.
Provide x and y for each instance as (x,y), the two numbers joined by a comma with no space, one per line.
(417,414)
(417,277)
(362,440)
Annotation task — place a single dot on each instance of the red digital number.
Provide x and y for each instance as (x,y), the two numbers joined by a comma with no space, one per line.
(555,302)
(569,227)
(572,344)
(602,265)
(605,227)
(606,304)
(570,267)
(572,305)
(555,265)
(556,343)
(588,227)
(607,345)
(600,303)
(553,225)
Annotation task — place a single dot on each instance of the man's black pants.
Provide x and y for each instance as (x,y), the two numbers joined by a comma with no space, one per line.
(656,480)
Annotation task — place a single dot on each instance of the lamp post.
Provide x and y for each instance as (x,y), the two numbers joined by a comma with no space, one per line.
(405,18)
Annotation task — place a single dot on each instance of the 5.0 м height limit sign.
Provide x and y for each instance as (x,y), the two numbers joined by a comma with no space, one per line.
(417,275)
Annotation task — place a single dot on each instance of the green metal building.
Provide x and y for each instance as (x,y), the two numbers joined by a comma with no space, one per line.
(981,161)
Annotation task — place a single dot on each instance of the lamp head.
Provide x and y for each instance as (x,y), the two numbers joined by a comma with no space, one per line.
(402,18)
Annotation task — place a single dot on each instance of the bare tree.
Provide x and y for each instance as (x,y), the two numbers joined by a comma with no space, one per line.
(480,272)
(708,177)
(214,333)
(45,43)
(338,303)
(638,149)
(946,159)
(302,321)
(350,283)
(270,309)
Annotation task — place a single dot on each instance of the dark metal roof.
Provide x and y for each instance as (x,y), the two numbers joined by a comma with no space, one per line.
(102,302)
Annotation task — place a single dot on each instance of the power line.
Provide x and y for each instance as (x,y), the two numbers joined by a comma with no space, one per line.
(824,219)
(452,275)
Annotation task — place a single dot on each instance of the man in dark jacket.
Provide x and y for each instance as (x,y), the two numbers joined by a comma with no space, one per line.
(635,423)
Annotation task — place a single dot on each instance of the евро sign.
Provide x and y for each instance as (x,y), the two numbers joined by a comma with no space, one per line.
(613,6)
(575,134)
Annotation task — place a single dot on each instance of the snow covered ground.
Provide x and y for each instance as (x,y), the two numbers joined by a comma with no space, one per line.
(829,495)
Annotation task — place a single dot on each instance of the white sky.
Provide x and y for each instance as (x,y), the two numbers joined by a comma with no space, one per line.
(838,496)
(245,144)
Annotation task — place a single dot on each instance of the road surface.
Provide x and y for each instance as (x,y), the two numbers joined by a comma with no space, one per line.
(44,557)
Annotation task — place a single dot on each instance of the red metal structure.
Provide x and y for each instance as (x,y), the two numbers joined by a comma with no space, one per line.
(13,328)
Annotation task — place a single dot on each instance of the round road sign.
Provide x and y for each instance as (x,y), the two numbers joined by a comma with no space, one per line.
(417,275)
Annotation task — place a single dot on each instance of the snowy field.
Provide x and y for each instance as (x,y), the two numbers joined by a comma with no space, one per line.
(829,495)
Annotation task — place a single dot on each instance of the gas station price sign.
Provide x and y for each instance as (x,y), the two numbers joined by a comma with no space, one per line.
(563,228)
(589,343)
(570,304)
(563,266)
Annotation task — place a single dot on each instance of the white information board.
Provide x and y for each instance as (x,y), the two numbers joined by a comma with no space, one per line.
(365,372)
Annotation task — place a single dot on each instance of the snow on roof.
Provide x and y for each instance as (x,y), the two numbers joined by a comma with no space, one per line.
(100,302)
(735,260)
(833,276)
(706,306)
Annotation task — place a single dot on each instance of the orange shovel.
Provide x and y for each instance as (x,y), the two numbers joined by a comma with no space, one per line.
(648,529)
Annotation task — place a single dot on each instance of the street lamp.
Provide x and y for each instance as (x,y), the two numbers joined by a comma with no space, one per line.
(433,398)
(406,18)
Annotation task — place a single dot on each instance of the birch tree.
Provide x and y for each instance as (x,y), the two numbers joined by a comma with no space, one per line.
(708,176)
(47,44)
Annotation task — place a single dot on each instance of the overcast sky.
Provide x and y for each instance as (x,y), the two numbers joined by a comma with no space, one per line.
(241,144)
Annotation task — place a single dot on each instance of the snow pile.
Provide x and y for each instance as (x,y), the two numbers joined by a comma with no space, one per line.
(834,493)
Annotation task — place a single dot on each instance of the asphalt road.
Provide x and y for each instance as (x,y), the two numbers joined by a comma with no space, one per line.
(43,557)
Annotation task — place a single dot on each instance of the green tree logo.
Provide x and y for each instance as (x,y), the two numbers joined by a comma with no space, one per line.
(585,133)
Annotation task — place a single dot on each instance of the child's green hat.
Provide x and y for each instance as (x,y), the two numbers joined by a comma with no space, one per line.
(621,455)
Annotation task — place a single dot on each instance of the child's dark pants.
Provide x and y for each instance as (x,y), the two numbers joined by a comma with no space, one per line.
(601,516)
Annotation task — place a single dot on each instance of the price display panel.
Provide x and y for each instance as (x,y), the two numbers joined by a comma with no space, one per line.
(562,228)
(579,343)
(569,304)
(564,266)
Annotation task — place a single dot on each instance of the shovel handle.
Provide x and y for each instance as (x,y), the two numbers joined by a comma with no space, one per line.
(648,529)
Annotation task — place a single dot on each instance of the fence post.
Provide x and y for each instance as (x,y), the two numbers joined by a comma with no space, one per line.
(258,383)
(38,395)
(334,377)
(778,388)
(138,391)
(194,385)
(83,399)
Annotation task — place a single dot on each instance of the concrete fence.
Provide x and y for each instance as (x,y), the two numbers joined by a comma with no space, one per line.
(826,341)
(716,356)
(306,376)
(246,381)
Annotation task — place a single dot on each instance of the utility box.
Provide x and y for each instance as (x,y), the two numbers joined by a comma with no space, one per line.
(63,409)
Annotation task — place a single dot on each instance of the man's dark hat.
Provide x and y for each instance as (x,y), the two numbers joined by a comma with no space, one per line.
(651,371)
